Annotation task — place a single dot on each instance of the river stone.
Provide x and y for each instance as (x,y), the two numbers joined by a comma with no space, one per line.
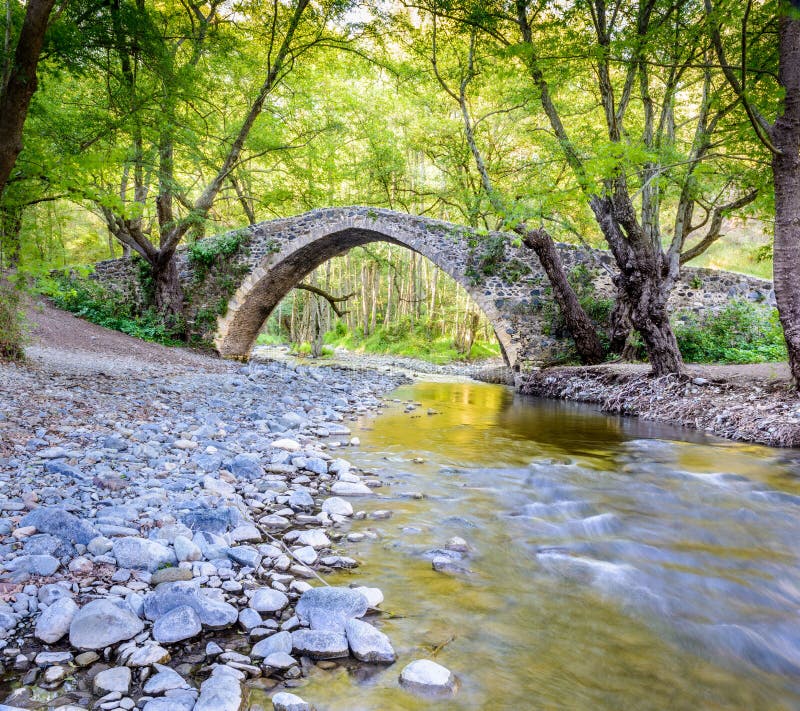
(117,679)
(337,506)
(284,701)
(141,554)
(100,623)
(374,595)
(167,596)
(247,466)
(268,600)
(55,620)
(368,644)
(347,488)
(301,500)
(280,660)
(245,555)
(329,608)
(320,644)
(170,575)
(289,445)
(185,549)
(61,523)
(427,676)
(279,642)
(178,624)
(146,655)
(33,565)
(222,691)
(165,680)
(314,537)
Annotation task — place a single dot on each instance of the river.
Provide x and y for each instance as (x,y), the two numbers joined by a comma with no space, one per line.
(614,564)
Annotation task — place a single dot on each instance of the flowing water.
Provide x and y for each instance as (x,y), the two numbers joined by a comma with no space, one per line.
(615,564)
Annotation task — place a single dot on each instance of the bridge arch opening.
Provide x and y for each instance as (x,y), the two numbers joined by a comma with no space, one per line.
(312,261)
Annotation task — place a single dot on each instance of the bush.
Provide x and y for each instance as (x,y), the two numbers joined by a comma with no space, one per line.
(11,332)
(742,332)
(106,308)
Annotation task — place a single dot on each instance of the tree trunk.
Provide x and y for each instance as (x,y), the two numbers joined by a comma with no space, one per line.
(169,293)
(15,96)
(786,179)
(646,293)
(583,331)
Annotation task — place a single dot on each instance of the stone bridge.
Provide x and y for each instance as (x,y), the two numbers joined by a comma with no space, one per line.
(506,282)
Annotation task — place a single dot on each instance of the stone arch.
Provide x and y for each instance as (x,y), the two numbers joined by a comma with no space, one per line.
(288,250)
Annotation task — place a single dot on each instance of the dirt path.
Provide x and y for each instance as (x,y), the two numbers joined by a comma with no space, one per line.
(63,343)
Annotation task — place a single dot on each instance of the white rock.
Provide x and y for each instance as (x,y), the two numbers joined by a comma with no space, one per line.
(374,595)
(284,701)
(268,600)
(55,620)
(427,676)
(116,679)
(346,488)
(338,506)
(289,445)
(313,537)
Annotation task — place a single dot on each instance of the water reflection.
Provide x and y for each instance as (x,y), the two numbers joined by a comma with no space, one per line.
(614,564)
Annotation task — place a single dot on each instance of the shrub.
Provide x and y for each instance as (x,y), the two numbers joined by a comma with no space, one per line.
(11,331)
(742,332)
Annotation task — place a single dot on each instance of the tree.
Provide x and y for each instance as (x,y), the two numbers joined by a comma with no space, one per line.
(19,81)
(634,151)
(583,331)
(781,138)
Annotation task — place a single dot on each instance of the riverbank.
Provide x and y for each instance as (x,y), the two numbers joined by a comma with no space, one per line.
(752,403)
(167,520)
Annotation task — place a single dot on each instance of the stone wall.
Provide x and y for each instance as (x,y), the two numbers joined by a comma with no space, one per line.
(276,255)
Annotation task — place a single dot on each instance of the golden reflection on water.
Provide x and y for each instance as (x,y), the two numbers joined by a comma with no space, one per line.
(518,639)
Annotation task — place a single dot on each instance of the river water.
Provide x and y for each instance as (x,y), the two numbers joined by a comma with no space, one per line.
(614,564)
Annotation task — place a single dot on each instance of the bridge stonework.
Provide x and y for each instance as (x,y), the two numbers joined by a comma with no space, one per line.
(276,255)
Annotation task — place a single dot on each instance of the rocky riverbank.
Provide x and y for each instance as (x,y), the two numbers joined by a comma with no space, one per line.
(166,528)
(751,403)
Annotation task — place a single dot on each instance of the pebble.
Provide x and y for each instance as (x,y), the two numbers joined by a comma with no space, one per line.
(116,679)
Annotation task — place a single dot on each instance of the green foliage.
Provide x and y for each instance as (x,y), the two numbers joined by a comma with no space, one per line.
(106,308)
(488,258)
(409,340)
(11,323)
(742,332)
(207,253)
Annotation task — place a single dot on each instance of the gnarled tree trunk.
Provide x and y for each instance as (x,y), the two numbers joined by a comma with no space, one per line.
(168,292)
